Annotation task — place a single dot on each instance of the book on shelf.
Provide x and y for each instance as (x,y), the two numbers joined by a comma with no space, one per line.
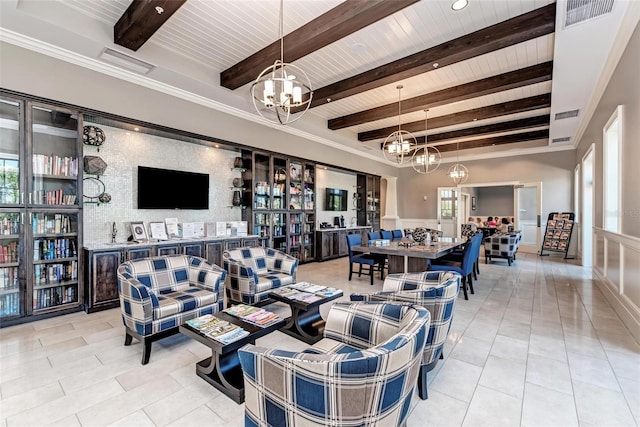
(255,315)
(217,329)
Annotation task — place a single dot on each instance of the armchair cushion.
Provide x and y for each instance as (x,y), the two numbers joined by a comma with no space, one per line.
(368,386)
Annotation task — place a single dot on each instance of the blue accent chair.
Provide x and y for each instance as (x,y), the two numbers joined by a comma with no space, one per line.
(370,260)
(362,373)
(158,294)
(437,291)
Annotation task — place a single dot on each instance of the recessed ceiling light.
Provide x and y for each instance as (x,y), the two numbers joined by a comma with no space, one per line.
(358,48)
(436,65)
(459,4)
(136,129)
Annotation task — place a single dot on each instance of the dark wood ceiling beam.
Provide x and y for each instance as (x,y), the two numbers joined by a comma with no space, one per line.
(516,30)
(514,79)
(141,20)
(497,110)
(344,19)
(496,140)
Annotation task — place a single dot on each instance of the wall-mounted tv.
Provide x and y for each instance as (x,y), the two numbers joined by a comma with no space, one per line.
(172,189)
(335,199)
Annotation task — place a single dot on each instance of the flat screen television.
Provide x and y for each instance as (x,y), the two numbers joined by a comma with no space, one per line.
(335,199)
(172,189)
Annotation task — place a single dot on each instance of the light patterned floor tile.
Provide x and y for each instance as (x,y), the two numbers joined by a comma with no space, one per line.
(439,410)
(137,419)
(457,379)
(598,406)
(504,375)
(491,408)
(471,350)
(543,407)
(202,416)
(549,373)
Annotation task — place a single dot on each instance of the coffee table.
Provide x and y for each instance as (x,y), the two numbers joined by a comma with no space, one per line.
(222,370)
(305,323)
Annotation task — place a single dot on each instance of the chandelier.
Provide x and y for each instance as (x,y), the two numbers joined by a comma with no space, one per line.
(458,172)
(282,92)
(425,159)
(400,144)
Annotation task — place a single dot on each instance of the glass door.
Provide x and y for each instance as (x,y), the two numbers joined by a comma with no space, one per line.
(528,201)
(54,157)
(10,243)
(295,186)
(448,211)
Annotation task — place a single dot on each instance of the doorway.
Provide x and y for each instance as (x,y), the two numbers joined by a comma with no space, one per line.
(527,207)
(587,208)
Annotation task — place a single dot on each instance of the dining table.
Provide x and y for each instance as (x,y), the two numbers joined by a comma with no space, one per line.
(413,259)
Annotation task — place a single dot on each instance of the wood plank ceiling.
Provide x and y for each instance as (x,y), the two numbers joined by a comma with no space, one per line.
(518,119)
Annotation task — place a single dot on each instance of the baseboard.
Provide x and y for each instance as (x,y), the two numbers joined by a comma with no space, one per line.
(629,313)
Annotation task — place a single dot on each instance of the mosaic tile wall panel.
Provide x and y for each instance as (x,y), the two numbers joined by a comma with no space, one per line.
(123,151)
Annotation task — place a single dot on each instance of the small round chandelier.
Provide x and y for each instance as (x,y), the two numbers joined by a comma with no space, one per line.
(400,144)
(425,159)
(458,172)
(282,92)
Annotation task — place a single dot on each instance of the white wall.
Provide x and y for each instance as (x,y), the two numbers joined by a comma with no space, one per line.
(330,178)
(123,151)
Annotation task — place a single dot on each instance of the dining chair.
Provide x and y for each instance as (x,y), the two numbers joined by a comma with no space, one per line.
(373,235)
(397,234)
(456,256)
(370,260)
(386,234)
(464,268)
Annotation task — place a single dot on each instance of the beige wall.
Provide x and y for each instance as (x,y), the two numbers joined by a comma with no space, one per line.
(623,89)
(36,74)
(554,170)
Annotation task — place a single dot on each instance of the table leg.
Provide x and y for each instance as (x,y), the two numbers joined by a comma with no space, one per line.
(305,325)
(224,373)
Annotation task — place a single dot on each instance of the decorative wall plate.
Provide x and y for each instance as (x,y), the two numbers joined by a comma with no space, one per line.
(92,135)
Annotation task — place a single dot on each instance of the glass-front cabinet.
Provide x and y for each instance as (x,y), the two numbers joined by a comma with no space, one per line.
(40,215)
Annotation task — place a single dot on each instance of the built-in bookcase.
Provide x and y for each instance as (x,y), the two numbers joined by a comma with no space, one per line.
(40,211)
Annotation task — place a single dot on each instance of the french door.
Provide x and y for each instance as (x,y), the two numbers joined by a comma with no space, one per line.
(527,200)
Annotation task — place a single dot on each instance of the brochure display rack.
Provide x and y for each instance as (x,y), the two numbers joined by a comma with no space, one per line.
(558,233)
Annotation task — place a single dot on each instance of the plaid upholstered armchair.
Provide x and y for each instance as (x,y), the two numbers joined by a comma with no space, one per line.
(254,272)
(362,373)
(436,291)
(502,245)
(159,294)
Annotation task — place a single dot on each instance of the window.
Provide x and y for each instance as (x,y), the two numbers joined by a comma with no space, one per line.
(611,147)
(576,193)
(448,204)
(9,176)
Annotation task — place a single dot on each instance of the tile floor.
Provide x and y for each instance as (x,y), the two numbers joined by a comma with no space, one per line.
(537,345)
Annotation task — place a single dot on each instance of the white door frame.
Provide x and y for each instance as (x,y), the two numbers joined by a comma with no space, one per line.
(529,248)
(588,212)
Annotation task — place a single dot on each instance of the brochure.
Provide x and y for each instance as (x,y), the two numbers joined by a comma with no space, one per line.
(255,315)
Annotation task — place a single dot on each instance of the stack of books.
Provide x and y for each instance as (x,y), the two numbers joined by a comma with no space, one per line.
(255,315)
(218,329)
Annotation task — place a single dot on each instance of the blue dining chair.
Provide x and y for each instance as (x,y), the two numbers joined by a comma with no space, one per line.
(386,234)
(464,268)
(456,256)
(397,234)
(370,260)
(373,235)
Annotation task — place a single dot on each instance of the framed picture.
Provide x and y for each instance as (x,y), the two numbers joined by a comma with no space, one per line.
(138,231)
(473,203)
(158,230)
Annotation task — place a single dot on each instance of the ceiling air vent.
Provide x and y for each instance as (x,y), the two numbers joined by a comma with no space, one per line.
(563,139)
(583,10)
(126,61)
(567,114)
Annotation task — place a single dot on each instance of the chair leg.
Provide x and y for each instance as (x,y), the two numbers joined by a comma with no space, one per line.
(371,273)
(422,383)
(509,261)
(478,266)
(464,287)
(360,271)
(350,270)
(127,339)
(475,275)
(146,352)
(471,284)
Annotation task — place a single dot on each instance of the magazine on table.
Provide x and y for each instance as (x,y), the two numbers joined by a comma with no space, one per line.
(286,292)
(218,329)
(307,287)
(255,315)
(329,292)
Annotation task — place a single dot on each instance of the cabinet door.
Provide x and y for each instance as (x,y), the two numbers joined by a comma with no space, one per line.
(55,259)
(213,252)
(54,157)
(104,280)
(10,265)
(232,244)
(193,249)
(343,249)
(137,253)
(168,250)
(11,155)
(327,245)
(251,243)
